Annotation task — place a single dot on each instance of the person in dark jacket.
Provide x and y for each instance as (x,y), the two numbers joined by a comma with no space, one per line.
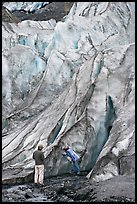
(70,154)
(38,156)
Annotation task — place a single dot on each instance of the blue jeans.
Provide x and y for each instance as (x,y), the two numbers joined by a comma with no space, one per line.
(75,167)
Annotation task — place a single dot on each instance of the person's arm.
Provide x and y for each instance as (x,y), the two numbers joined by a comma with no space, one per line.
(67,156)
(33,156)
(42,156)
(64,154)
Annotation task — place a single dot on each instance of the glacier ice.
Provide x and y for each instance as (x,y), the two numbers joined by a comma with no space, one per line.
(26,6)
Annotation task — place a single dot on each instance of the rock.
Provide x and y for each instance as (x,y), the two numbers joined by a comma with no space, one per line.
(54,10)
(8,16)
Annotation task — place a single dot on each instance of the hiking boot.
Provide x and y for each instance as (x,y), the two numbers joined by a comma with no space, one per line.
(78,173)
(72,173)
(41,184)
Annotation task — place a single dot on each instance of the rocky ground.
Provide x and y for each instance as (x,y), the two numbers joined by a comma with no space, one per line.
(73,188)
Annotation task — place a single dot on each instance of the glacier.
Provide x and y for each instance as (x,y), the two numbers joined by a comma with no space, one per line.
(69,82)
(26,6)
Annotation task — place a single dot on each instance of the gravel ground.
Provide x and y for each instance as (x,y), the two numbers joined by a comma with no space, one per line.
(73,188)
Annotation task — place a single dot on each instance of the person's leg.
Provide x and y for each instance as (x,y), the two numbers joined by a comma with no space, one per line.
(41,174)
(36,174)
(77,167)
(72,167)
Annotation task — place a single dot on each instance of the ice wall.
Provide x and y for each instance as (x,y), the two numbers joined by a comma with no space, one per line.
(78,73)
(26,6)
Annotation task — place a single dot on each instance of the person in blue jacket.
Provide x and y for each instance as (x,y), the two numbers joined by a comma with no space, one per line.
(69,153)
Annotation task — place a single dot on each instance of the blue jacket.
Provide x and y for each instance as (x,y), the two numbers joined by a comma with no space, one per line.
(72,154)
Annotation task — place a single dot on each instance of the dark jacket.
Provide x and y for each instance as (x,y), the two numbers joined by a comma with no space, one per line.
(38,156)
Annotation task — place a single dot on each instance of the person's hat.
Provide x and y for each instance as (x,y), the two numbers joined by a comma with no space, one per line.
(65,148)
(40,146)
